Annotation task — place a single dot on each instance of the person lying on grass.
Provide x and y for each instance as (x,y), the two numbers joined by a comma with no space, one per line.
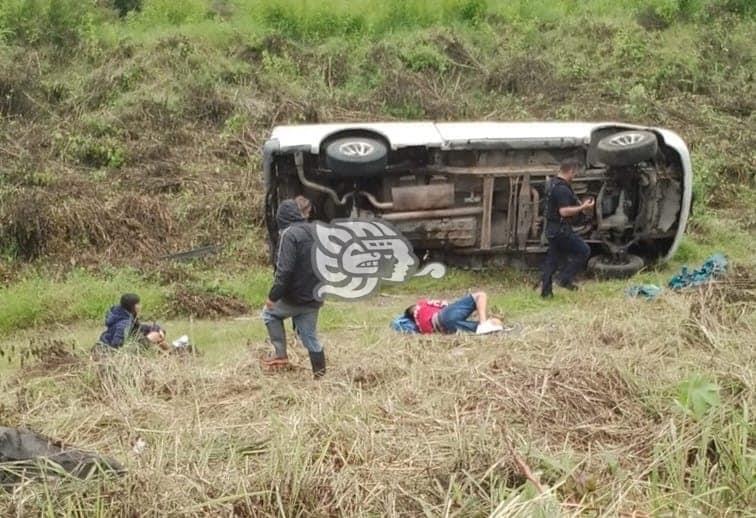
(440,316)
(122,324)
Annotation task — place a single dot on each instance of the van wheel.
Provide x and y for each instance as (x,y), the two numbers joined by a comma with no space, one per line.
(356,156)
(627,148)
(610,267)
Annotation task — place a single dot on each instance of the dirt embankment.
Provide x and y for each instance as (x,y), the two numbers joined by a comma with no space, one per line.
(138,150)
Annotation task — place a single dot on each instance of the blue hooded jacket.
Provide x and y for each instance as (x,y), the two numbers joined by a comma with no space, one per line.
(120,324)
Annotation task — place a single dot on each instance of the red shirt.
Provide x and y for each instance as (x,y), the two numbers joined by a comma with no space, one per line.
(425,310)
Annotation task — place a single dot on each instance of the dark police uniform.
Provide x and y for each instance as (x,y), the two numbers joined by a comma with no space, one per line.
(564,244)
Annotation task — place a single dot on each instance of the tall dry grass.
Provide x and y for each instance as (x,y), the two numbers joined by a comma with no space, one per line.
(578,411)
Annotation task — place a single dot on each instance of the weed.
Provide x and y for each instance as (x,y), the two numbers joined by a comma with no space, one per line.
(96,153)
(697,396)
(165,12)
(132,130)
(424,424)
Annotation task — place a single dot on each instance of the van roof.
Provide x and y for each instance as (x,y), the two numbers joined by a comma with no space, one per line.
(437,134)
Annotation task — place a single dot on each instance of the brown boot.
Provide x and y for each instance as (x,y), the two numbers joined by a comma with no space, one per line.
(274,363)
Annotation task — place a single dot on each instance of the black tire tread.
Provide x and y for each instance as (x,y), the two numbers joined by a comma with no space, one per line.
(602,267)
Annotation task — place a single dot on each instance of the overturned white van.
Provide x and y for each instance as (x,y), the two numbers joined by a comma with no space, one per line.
(473,192)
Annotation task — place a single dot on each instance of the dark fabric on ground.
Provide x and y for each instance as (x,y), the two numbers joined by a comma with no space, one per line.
(27,452)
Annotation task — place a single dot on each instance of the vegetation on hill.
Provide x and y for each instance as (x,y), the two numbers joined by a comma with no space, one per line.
(132,129)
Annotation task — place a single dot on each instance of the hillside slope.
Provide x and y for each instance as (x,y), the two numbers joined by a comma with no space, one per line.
(131,129)
(125,138)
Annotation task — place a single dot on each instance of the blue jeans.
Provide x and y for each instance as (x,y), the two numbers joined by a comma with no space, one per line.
(565,245)
(305,323)
(454,317)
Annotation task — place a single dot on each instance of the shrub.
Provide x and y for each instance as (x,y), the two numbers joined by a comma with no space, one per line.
(424,57)
(471,11)
(170,12)
(97,152)
(60,23)
(738,7)
(124,7)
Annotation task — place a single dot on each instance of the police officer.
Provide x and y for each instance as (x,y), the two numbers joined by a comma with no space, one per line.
(562,206)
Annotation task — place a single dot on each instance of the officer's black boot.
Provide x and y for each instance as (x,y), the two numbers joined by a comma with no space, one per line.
(571,286)
(546,290)
(318,362)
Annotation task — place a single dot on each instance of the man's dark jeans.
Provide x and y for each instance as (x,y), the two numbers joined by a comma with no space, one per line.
(565,245)
(305,321)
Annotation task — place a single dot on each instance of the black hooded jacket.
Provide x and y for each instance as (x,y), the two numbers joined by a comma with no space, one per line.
(295,279)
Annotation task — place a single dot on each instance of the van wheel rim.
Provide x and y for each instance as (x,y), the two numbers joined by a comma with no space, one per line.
(356,148)
(626,139)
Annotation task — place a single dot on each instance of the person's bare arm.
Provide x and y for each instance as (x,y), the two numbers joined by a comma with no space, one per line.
(158,338)
(481,304)
(567,212)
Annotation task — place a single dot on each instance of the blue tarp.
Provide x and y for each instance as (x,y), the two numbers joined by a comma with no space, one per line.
(647,291)
(714,266)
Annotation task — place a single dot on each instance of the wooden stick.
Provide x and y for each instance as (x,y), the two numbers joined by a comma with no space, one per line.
(524,468)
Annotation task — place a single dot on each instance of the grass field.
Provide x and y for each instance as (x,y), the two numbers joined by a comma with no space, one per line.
(132,129)
(618,406)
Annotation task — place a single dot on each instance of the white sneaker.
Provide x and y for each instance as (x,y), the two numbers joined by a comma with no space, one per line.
(181,343)
(487,327)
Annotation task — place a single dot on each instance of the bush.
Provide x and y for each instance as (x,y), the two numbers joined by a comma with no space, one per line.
(124,7)
(738,7)
(60,23)
(472,11)
(170,12)
(97,152)
(322,22)
(424,57)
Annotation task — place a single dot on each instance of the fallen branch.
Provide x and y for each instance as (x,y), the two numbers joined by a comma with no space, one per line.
(523,466)
(8,152)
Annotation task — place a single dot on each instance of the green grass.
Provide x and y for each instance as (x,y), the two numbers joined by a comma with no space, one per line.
(38,300)
(608,400)
(42,300)
(157,116)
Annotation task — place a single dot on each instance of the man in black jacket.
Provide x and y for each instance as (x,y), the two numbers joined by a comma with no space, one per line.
(564,245)
(293,292)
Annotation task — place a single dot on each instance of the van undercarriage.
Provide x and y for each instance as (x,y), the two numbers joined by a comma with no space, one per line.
(481,201)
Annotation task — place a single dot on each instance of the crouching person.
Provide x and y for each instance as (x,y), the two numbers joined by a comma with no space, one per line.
(293,292)
(122,324)
(439,316)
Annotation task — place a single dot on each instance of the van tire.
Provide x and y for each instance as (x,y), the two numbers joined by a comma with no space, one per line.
(356,156)
(607,267)
(627,148)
